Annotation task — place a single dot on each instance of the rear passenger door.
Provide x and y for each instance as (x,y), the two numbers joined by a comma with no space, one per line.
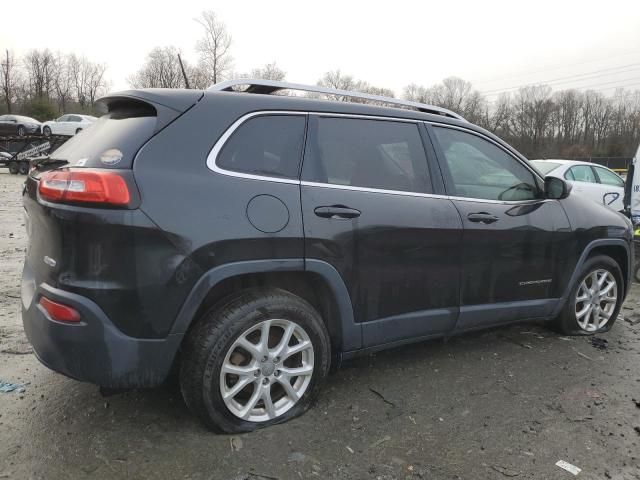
(370,211)
(611,188)
(515,242)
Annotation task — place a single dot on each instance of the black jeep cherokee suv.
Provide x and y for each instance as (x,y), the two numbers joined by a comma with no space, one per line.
(250,240)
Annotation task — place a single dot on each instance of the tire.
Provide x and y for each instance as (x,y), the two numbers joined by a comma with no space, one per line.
(14,168)
(213,342)
(568,323)
(78,130)
(23,168)
(46,131)
(21,131)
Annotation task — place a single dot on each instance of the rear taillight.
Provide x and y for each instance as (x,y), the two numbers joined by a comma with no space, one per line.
(59,311)
(84,186)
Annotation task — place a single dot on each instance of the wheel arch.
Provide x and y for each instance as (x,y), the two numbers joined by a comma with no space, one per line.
(315,281)
(616,248)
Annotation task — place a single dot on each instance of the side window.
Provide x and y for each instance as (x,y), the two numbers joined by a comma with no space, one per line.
(609,178)
(479,169)
(74,118)
(266,145)
(568,175)
(583,173)
(365,153)
(64,118)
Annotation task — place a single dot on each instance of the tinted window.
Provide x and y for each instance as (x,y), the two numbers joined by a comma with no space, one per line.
(120,133)
(581,173)
(267,145)
(480,169)
(609,178)
(366,153)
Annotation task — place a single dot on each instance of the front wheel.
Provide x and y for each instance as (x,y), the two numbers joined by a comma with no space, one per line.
(46,131)
(595,299)
(21,131)
(257,359)
(23,168)
(14,168)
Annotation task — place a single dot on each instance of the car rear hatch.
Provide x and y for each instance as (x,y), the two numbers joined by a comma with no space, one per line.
(85,232)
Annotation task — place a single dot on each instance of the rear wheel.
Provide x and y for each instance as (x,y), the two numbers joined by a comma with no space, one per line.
(21,131)
(78,130)
(595,299)
(257,359)
(23,168)
(14,168)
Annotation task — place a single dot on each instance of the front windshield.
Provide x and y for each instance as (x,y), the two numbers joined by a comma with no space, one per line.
(544,167)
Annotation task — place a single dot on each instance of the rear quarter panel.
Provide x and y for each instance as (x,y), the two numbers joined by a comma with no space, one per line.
(205,213)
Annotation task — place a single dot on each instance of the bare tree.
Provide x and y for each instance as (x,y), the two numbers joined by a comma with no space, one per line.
(62,82)
(337,80)
(40,66)
(270,71)
(10,80)
(198,78)
(87,79)
(160,70)
(214,46)
(96,83)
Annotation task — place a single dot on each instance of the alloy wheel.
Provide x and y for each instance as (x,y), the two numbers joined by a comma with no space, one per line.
(267,370)
(596,300)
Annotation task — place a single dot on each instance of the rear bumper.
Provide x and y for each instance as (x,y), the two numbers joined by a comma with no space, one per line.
(94,350)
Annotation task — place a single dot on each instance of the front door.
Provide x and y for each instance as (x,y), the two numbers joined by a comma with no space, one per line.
(513,252)
(369,212)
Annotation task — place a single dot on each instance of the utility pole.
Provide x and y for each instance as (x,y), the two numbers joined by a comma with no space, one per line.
(6,73)
(186,80)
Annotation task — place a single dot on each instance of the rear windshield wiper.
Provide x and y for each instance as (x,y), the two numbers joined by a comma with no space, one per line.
(46,163)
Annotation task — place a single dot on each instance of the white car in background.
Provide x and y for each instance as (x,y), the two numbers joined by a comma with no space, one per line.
(69,124)
(589,179)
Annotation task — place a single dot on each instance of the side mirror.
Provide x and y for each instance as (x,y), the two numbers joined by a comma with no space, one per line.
(556,188)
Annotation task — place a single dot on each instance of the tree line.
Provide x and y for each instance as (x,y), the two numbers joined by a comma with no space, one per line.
(538,121)
(44,83)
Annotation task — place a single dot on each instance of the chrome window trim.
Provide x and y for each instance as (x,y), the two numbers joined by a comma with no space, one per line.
(217,148)
(371,190)
(366,117)
(212,158)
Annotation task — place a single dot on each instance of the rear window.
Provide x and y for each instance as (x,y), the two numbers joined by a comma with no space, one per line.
(545,167)
(266,145)
(113,140)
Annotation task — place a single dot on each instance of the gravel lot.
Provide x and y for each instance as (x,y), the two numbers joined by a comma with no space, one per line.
(498,404)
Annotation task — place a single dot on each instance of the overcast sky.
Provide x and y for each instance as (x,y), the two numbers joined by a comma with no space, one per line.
(495,44)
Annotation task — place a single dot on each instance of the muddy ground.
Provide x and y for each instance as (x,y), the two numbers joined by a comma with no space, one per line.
(505,403)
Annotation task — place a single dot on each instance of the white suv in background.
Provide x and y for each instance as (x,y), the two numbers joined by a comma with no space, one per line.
(67,124)
(593,181)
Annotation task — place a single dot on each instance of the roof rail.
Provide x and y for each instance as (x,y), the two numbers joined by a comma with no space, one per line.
(270,86)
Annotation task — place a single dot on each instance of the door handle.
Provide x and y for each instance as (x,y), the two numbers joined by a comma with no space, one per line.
(482,217)
(337,211)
